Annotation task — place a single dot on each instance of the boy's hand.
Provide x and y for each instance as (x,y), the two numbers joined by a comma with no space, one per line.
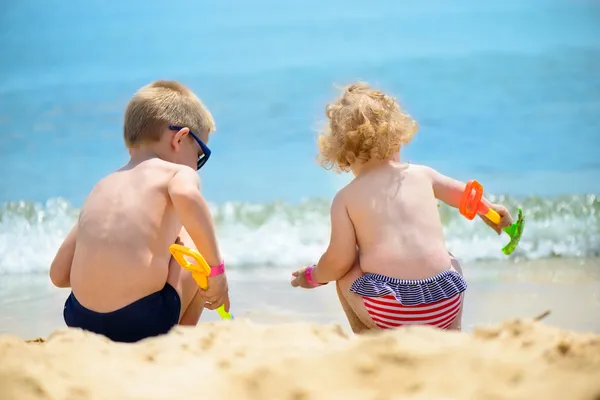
(217,293)
(299,279)
(505,218)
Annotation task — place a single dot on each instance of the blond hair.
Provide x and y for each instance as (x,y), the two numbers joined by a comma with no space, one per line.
(364,124)
(159,104)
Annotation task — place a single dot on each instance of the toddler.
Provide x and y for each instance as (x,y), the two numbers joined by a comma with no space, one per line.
(387,251)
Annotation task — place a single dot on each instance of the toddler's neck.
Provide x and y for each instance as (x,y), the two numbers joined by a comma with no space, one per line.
(374,164)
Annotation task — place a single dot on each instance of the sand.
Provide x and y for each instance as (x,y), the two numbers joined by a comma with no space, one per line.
(295,344)
(519,359)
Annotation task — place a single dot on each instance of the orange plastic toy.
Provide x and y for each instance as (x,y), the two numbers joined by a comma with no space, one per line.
(471,204)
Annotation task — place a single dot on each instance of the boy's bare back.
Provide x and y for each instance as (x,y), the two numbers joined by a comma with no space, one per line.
(125,229)
(395,216)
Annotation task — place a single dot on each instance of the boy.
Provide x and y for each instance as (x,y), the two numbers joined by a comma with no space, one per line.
(402,273)
(116,260)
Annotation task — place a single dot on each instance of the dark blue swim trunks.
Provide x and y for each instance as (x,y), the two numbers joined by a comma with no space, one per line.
(152,315)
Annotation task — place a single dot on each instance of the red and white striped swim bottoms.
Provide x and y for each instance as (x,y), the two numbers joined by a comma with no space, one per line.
(394,302)
(387,312)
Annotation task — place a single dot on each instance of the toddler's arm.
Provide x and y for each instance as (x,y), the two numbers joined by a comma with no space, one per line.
(341,253)
(450,191)
(447,189)
(193,211)
(60,269)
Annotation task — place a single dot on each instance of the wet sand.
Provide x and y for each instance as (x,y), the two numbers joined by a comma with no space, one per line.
(31,307)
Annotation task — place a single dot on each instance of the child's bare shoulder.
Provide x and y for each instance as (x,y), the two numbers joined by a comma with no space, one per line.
(165,170)
(148,176)
(420,170)
(348,194)
(351,188)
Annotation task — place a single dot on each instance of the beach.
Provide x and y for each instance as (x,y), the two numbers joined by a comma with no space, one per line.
(244,360)
(288,343)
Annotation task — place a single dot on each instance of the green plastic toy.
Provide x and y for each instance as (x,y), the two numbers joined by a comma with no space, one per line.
(515,231)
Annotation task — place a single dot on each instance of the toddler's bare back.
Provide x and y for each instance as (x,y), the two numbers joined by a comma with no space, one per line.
(124,232)
(397,222)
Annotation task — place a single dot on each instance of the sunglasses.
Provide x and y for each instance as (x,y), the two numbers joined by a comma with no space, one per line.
(202,158)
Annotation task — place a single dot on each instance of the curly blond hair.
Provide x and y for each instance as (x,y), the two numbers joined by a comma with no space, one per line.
(364,124)
(160,104)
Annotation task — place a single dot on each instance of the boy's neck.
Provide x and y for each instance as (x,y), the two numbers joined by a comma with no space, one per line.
(141,153)
(373,164)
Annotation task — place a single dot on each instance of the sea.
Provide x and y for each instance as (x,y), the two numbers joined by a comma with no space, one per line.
(505,92)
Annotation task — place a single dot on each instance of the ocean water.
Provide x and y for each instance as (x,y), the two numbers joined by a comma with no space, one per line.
(506,92)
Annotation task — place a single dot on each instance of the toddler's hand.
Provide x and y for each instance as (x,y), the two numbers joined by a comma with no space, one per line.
(505,218)
(217,293)
(299,279)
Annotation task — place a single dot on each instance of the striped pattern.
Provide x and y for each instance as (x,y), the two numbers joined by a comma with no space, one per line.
(442,286)
(387,312)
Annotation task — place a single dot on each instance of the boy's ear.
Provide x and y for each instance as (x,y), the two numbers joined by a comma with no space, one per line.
(178,137)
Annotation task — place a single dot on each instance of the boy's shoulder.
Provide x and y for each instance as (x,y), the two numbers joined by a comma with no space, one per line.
(149,173)
(158,168)
(143,179)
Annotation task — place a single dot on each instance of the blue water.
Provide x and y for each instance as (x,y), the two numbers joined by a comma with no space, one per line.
(505,92)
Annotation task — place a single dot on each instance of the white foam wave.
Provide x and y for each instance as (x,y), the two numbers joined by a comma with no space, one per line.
(280,234)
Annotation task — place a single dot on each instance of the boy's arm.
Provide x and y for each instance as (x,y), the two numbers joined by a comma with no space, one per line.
(194,214)
(341,253)
(60,269)
(450,191)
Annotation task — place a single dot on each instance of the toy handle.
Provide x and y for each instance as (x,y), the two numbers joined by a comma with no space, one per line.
(201,280)
(472,204)
(490,214)
(200,271)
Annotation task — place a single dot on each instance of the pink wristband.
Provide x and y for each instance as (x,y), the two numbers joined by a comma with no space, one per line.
(309,278)
(217,270)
